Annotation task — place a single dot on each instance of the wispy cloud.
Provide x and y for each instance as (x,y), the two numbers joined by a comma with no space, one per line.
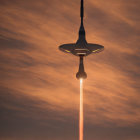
(38,81)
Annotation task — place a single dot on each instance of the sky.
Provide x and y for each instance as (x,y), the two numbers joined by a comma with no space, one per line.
(39,93)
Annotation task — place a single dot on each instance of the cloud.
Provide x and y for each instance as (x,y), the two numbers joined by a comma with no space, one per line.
(37,80)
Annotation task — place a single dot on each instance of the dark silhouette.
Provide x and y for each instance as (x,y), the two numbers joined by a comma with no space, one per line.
(81,48)
(81,73)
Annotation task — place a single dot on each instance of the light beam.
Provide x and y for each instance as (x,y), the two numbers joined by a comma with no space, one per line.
(81,115)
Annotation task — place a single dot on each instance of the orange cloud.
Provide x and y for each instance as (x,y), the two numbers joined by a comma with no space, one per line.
(34,70)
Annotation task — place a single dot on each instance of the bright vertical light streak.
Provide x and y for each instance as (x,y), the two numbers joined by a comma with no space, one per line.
(81,118)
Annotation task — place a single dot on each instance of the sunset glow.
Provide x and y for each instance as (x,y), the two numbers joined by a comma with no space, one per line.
(39,92)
